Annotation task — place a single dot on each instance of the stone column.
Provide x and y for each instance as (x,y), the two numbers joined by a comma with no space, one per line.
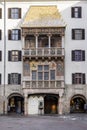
(25,105)
(60,106)
(36,36)
(6,106)
(49,37)
(23,42)
(63,41)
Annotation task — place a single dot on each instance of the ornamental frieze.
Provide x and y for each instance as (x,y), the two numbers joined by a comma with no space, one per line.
(27,31)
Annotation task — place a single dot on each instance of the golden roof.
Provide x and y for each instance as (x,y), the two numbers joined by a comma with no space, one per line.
(40,16)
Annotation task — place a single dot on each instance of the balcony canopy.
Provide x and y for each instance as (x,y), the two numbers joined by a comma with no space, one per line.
(43,16)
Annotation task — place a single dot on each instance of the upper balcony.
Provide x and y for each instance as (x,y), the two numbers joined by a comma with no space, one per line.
(43,52)
(43,46)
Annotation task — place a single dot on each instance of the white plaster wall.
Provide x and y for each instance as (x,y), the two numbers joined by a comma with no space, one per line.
(2,41)
(65,10)
(33,103)
(12,67)
(71,66)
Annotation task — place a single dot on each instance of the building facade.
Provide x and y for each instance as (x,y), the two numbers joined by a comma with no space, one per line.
(43,57)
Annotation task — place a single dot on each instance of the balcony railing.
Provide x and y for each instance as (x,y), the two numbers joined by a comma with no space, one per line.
(43,52)
(43,84)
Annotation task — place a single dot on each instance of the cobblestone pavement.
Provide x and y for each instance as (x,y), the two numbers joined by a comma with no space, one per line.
(65,122)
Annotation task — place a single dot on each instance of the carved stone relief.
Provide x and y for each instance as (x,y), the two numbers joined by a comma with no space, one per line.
(26,68)
(60,68)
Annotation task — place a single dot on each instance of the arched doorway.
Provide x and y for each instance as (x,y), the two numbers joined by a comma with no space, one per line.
(50,104)
(77,104)
(15,104)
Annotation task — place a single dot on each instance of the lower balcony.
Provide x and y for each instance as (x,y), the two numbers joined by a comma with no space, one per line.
(43,52)
(43,84)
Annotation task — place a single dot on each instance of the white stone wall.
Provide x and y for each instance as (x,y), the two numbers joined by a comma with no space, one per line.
(70,66)
(65,10)
(33,104)
(2,42)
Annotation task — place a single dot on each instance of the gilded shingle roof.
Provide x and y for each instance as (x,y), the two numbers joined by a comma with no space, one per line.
(43,16)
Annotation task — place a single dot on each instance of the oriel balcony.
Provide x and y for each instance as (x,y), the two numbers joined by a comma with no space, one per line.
(43,46)
(43,84)
(43,52)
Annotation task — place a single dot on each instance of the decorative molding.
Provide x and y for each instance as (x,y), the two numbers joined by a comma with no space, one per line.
(38,31)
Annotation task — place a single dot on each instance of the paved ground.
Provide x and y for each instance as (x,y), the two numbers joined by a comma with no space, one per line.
(66,122)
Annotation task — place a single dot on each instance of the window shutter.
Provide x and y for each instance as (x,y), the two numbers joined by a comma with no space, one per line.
(73,55)
(9,34)
(72,12)
(19,12)
(79,12)
(83,78)
(9,55)
(0,13)
(83,33)
(19,56)
(73,33)
(0,34)
(73,78)
(19,34)
(9,13)
(19,78)
(0,55)
(0,78)
(9,78)
(83,55)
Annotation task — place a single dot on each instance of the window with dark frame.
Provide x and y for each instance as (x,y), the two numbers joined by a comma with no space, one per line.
(14,55)
(46,72)
(14,13)
(14,78)
(33,74)
(78,78)
(26,68)
(52,74)
(43,73)
(78,55)
(78,34)
(14,34)
(40,76)
(76,12)
(46,75)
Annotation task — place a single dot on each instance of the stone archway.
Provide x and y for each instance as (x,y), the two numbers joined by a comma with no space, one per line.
(50,104)
(15,103)
(77,103)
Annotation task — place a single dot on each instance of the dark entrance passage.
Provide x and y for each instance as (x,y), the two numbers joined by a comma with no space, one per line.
(16,105)
(77,104)
(50,104)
